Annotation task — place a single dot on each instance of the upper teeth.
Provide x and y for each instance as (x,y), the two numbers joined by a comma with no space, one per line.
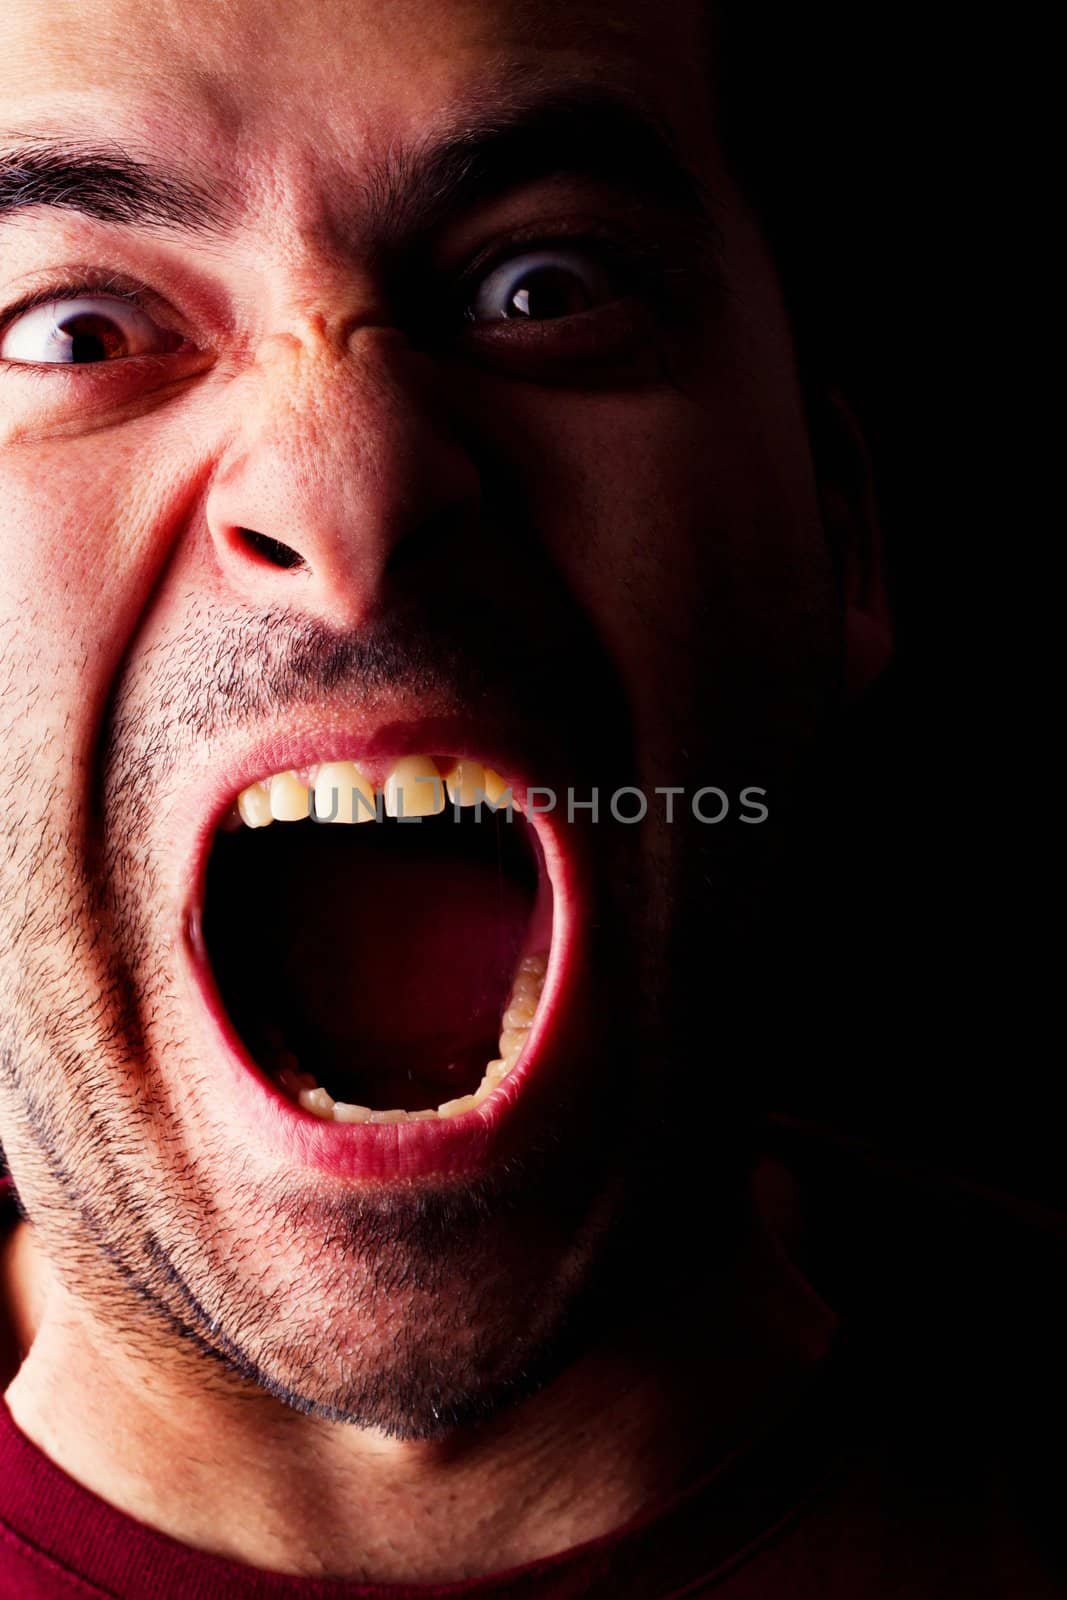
(338,791)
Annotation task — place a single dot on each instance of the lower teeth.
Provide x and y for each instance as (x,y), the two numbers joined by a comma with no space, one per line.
(517,1019)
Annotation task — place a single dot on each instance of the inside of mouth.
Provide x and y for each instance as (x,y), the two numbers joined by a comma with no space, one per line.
(382,972)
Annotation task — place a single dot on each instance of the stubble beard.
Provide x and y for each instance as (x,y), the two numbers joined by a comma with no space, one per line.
(412,1312)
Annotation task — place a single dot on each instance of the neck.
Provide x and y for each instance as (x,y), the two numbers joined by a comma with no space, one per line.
(621,1427)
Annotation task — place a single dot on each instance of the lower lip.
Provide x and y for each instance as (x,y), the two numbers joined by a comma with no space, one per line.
(448,1148)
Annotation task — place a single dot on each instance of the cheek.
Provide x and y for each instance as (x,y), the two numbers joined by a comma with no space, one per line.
(689,533)
(85,528)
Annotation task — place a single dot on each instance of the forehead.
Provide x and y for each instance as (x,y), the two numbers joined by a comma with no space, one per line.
(295,86)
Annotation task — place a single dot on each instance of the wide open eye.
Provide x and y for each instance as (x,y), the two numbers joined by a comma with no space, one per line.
(541,285)
(89,329)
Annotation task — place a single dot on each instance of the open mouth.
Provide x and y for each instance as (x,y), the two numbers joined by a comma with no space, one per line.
(380,948)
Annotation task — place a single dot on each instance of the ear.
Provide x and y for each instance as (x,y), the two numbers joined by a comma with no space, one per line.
(850,515)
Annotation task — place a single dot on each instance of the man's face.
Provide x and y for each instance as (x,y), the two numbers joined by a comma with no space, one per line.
(422,389)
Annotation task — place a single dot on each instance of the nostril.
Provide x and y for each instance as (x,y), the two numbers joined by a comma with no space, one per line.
(270,550)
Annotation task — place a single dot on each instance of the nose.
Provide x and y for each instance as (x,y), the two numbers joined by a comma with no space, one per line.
(339,474)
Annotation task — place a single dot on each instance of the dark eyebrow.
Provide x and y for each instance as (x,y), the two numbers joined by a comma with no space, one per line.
(592,133)
(102,181)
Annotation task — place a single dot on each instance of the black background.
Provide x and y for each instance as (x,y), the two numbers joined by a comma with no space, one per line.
(881,143)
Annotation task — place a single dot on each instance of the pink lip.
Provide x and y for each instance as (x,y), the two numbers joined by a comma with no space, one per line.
(451,1148)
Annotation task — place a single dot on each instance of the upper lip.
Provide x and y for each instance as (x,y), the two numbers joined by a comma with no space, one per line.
(342,736)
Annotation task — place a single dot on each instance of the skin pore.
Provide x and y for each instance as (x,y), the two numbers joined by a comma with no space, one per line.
(526,1363)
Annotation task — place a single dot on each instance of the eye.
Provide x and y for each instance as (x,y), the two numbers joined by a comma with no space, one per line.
(542,285)
(89,329)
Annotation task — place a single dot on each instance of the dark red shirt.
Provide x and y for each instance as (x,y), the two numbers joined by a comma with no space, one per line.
(905,1472)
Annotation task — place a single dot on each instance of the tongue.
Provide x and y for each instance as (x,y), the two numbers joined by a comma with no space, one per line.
(399,971)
